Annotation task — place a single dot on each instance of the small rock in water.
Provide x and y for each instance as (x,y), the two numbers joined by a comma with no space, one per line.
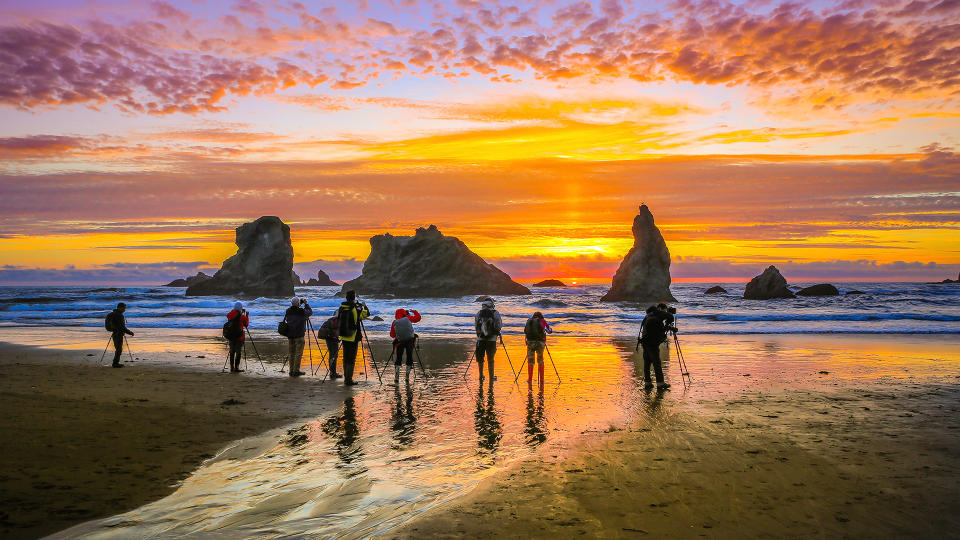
(232,401)
(715,289)
(855,292)
(824,372)
(376,318)
(91,354)
(201,356)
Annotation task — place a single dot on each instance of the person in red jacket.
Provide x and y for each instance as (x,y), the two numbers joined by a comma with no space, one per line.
(403,339)
(236,345)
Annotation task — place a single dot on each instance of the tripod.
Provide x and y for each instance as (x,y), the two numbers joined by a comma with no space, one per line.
(363,337)
(559,380)
(109,341)
(684,372)
(416,350)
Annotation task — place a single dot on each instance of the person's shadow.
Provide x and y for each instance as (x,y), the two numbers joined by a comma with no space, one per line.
(403,422)
(345,432)
(489,429)
(536,425)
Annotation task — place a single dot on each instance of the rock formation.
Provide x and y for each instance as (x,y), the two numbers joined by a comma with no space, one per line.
(855,292)
(550,283)
(644,274)
(769,284)
(186,282)
(322,280)
(823,289)
(428,264)
(715,289)
(262,266)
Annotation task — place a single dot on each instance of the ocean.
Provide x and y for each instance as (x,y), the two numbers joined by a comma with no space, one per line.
(907,308)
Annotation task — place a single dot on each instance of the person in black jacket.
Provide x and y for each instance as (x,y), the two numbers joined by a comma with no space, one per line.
(118,328)
(296,317)
(653,332)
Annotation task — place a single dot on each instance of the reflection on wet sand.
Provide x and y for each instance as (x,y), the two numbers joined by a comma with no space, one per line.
(403,422)
(536,425)
(489,429)
(343,429)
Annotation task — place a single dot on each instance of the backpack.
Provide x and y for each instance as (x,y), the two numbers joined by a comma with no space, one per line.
(487,325)
(534,330)
(108,322)
(346,325)
(403,328)
(652,330)
(282,327)
(233,328)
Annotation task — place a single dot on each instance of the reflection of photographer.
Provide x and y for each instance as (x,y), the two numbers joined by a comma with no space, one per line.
(653,331)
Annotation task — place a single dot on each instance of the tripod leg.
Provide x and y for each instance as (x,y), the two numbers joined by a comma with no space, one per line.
(246,367)
(552,362)
(254,343)
(129,352)
(102,356)
(470,363)
(508,356)
(389,359)
(419,361)
(373,361)
(229,352)
(363,355)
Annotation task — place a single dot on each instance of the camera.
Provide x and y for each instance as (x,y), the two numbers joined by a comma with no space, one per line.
(672,310)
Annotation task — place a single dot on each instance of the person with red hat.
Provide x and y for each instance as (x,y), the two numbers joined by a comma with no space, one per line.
(404,339)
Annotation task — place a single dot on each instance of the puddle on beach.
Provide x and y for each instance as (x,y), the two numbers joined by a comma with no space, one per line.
(390,452)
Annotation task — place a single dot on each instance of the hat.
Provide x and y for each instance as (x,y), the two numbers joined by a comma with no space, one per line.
(351,296)
(294,301)
(401,313)
(238,306)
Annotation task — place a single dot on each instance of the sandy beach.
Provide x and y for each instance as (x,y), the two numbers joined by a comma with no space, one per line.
(777,436)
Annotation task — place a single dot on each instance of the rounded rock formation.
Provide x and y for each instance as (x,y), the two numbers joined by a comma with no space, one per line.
(550,283)
(644,274)
(715,289)
(262,266)
(428,264)
(822,289)
(186,282)
(769,284)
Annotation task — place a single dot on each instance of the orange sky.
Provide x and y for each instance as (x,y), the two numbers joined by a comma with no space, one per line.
(818,137)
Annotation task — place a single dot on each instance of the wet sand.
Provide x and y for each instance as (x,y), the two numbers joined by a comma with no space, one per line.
(82,442)
(778,436)
(860,461)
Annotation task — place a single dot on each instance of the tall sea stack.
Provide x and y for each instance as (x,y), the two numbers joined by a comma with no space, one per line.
(644,274)
(428,264)
(262,266)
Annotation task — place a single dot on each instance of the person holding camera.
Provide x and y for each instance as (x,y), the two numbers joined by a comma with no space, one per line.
(488,324)
(349,315)
(536,331)
(404,339)
(296,317)
(653,332)
(328,333)
(117,325)
(234,332)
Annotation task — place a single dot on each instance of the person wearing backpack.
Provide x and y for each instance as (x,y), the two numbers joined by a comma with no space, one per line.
(653,332)
(328,333)
(233,330)
(536,331)
(296,319)
(349,315)
(403,339)
(488,324)
(117,325)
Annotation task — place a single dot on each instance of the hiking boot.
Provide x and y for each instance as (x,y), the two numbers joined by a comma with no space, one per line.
(335,376)
(238,370)
(116,365)
(350,383)
(647,385)
(299,373)
(663,386)
(294,373)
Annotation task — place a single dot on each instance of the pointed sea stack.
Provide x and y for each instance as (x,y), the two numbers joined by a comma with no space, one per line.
(769,284)
(428,264)
(644,274)
(262,266)
(186,282)
(322,280)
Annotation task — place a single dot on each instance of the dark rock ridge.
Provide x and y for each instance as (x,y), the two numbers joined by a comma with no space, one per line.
(428,264)
(823,289)
(715,289)
(186,282)
(546,303)
(644,274)
(262,266)
(769,284)
(322,280)
(855,292)
(550,283)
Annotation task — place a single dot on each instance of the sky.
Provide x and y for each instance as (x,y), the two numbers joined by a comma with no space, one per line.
(821,137)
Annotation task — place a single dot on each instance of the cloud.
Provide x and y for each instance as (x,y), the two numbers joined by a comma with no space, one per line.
(822,57)
(150,274)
